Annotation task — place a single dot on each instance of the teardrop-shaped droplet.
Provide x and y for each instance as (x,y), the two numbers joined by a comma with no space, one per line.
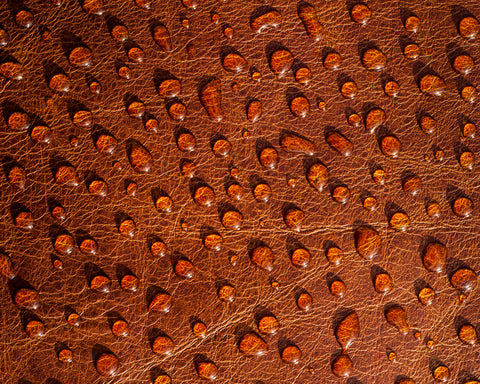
(271,18)
(339,143)
(206,369)
(308,15)
(281,61)
(252,345)
(468,334)
(367,242)
(161,36)
(347,330)
(317,176)
(161,302)
(434,257)
(6,268)
(210,97)
(163,345)
(291,354)
(374,118)
(234,62)
(294,218)
(463,279)
(263,257)
(374,60)
(290,141)
(107,364)
(342,366)
(433,85)
(139,157)
(397,317)
(254,110)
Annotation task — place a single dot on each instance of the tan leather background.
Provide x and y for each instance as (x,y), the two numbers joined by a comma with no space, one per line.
(35,360)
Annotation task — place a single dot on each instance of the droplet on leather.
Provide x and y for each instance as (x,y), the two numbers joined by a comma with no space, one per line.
(93,7)
(120,33)
(299,106)
(303,75)
(127,227)
(187,168)
(226,293)
(268,325)
(268,157)
(136,54)
(163,203)
(41,134)
(58,212)
(469,27)
(468,334)
(27,298)
(427,123)
(6,267)
(463,279)
(463,64)
(228,31)
(221,147)
(199,329)
(105,143)
(65,355)
(469,130)
(184,268)
(426,295)
(161,36)
(88,246)
(270,19)
(383,283)
(338,288)
(12,70)
(308,15)
(304,301)
(294,218)
(136,109)
(64,243)
(399,221)
(206,370)
(374,118)
(60,83)
(252,345)
(433,85)
(262,192)
(462,207)
(411,51)
(367,242)
(124,72)
(24,18)
(18,121)
(390,146)
(254,110)
(83,118)
(73,319)
(34,328)
(349,89)
(176,110)
(190,4)
(169,88)
(101,284)
(235,191)
(17,176)
(374,60)
(360,13)
(213,241)
(150,123)
(370,203)
(98,187)
(163,345)
(441,373)
(396,316)
(317,175)
(467,160)
(434,257)
(341,194)
(211,99)
(281,61)
(186,141)
(130,282)
(107,364)
(391,88)
(204,196)
(332,61)
(234,62)
(300,257)
(120,328)
(23,219)
(291,354)
(339,143)
(80,56)
(347,330)
(161,302)
(4,37)
(292,142)
(263,257)
(139,157)
(158,248)
(342,366)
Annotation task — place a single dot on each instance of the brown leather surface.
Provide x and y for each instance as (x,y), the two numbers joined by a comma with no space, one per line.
(195,58)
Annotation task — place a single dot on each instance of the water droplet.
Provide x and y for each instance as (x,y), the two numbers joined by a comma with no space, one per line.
(304,301)
(163,345)
(291,354)
(234,62)
(206,369)
(73,319)
(294,218)
(16,175)
(367,242)
(434,257)
(221,147)
(199,329)
(334,255)
(391,88)
(373,59)
(139,157)
(339,143)
(341,194)
(254,110)
(399,221)
(24,18)
(252,345)
(347,330)
(26,298)
(300,257)
(226,293)
(379,176)
(308,15)
(268,157)
(317,175)
(204,195)
(441,373)
(35,328)
(261,21)
(6,267)
(120,328)
(228,32)
(158,248)
(105,142)
(60,83)
(65,355)
(107,364)
(281,61)
(397,317)
(463,279)
(93,7)
(462,207)
(370,203)
(235,191)
(469,27)
(411,51)
(184,268)
(463,64)
(337,288)
(469,130)
(292,142)
(332,61)
(11,70)
(127,227)
(120,33)
(210,97)
(360,13)
(374,118)
(161,302)
(18,120)
(130,282)
(187,168)
(427,123)
(412,23)
(4,37)
(263,257)
(467,160)
(268,325)
(390,146)
(80,56)
(100,283)
(432,85)
(342,366)
(349,89)
(383,282)
(186,141)
(299,106)
(124,72)
(468,334)
(161,36)
(426,295)
(392,356)
(262,192)
(64,243)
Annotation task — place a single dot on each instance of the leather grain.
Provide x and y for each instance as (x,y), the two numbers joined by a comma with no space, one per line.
(279,207)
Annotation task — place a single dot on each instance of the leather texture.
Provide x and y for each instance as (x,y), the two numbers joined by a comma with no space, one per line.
(272,283)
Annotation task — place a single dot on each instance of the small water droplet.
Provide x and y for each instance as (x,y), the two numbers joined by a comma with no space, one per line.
(332,61)
(399,221)
(234,62)
(199,329)
(269,19)
(252,345)
(317,176)
(263,257)
(469,27)
(434,257)
(360,13)
(432,85)
(163,345)
(291,354)
(463,279)
(292,142)
(367,242)
(337,288)
(308,15)
(374,118)
(339,143)
(226,293)
(161,302)
(397,317)
(210,97)
(390,146)
(107,364)
(65,355)
(281,61)
(300,106)
(139,157)
(373,59)
(426,295)
(383,282)
(268,325)
(441,373)
(304,301)
(161,36)
(347,330)
(468,334)
(254,110)
(206,369)
(412,23)
(120,328)
(342,366)
(462,207)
